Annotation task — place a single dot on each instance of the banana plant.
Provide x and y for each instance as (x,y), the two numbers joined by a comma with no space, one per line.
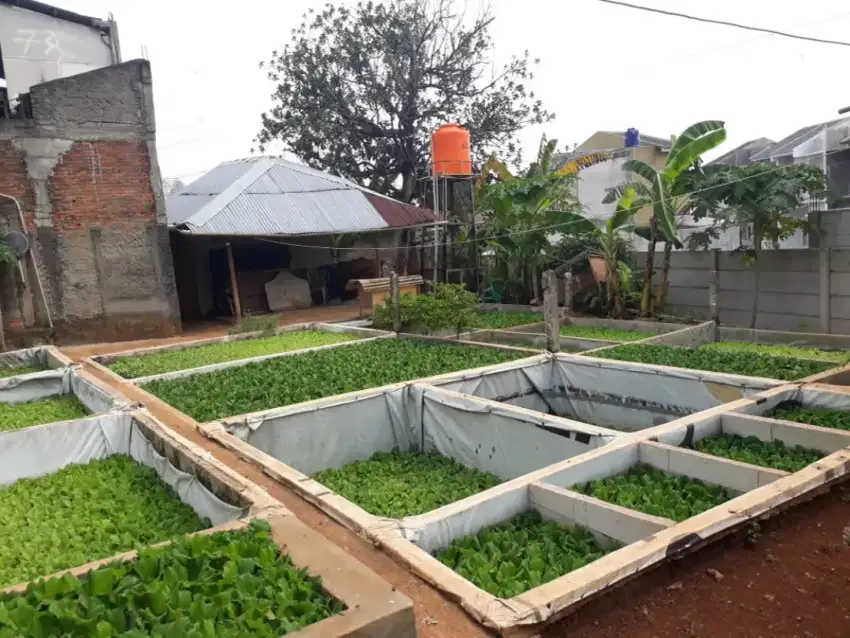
(665,189)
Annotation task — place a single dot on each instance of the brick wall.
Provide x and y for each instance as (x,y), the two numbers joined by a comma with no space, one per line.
(94,210)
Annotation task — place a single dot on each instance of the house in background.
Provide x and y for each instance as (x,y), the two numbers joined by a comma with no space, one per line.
(825,146)
(285,234)
(604,153)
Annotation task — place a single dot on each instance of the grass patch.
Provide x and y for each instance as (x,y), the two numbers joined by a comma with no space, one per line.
(775,350)
(492,320)
(509,559)
(821,417)
(649,490)
(702,358)
(14,416)
(398,484)
(605,334)
(228,584)
(19,370)
(287,380)
(753,450)
(83,513)
(171,360)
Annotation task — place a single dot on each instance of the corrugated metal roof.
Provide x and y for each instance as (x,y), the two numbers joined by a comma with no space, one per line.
(741,155)
(787,145)
(270,196)
(397,214)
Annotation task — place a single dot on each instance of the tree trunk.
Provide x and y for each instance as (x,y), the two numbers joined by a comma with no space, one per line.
(614,288)
(661,296)
(646,300)
(535,285)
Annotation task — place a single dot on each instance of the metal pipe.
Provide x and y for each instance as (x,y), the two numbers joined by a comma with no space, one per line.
(436,226)
(846,109)
(34,265)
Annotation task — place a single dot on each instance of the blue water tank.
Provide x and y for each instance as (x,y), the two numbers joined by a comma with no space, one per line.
(632,138)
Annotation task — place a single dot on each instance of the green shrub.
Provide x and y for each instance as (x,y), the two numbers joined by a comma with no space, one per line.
(448,307)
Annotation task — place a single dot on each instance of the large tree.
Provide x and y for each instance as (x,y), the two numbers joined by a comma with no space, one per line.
(360,89)
(768,199)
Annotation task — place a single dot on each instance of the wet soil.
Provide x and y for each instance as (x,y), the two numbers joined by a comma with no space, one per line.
(790,579)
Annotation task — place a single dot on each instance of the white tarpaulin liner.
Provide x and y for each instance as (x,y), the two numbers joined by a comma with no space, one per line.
(40,356)
(43,449)
(614,394)
(334,432)
(799,397)
(49,383)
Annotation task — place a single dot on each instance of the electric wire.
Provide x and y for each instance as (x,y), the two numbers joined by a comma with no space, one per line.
(726,23)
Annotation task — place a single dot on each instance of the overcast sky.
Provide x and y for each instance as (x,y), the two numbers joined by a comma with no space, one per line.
(602,67)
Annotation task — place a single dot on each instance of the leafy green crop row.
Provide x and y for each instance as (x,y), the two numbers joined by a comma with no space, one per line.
(83,513)
(492,320)
(398,484)
(753,450)
(821,417)
(605,334)
(18,370)
(776,350)
(278,382)
(14,416)
(169,361)
(222,585)
(701,358)
(651,491)
(509,559)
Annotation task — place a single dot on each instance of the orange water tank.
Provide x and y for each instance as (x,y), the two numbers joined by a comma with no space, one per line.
(450,151)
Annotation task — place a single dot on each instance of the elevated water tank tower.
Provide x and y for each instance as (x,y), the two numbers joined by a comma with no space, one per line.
(450,153)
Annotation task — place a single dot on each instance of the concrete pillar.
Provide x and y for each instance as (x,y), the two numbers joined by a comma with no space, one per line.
(395,300)
(825,288)
(568,293)
(550,311)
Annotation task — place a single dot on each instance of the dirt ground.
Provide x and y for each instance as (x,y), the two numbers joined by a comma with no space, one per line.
(791,581)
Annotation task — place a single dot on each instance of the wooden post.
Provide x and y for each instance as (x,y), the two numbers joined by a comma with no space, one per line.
(237,306)
(550,311)
(395,300)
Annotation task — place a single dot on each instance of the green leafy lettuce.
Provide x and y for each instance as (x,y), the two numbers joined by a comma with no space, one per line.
(753,450)
(287,380)
(14,416)
(651,491)
(509,559)
(169,361)
(776,350)
(83,513)
(398,484)
(491,320)
(702,358)
(223,585)
(822,417)
(604,334)
(15,371)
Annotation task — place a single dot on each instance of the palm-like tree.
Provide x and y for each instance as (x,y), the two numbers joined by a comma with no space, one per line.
(665,190)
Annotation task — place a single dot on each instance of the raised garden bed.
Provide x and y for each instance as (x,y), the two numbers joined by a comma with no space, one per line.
(778,350)
(706,358)
(47,410)
(398,484)
(752,450)
(179,359)
(304,377)
(646,489)
(185,583)
(603,333)
(171,360)
(508,559)
(31,360)
(617,395)
(821,417)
